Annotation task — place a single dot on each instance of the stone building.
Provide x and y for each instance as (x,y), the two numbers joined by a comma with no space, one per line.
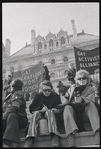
(5,54)
(55,50)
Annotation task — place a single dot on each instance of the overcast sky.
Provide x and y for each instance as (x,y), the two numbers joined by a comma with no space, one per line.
(19,18)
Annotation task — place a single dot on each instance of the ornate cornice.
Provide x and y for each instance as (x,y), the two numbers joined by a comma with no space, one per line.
(59,51)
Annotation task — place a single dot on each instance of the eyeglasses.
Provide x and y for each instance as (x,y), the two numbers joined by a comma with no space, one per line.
(46,90)
(83,78)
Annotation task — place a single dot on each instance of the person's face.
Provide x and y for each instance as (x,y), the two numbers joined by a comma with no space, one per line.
(46,90)
(81,80)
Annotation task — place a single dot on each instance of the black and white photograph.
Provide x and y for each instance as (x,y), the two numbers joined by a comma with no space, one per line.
(50,74)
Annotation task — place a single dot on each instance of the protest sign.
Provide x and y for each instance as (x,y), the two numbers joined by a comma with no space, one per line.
(31,77)
(87,59)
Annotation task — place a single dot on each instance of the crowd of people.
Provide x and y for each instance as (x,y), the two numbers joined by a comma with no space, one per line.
(81,102)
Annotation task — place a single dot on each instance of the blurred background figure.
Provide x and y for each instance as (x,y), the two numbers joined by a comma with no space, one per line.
(71,73)
(62,89)
(97,76)
(97,89)
(46,75)
(33,95)
(7,85)
(27,96)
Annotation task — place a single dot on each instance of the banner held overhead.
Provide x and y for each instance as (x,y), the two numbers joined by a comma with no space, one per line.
(87,59)
(31,77)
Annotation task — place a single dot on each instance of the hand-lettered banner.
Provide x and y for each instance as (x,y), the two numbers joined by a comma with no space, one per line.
(31,77)
(87,59)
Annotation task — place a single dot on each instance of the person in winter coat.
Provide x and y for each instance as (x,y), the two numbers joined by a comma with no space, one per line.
(44,105)
(80,104)
(15,117)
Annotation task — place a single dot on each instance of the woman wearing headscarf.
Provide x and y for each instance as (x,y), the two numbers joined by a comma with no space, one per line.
(80,103)
(15,116)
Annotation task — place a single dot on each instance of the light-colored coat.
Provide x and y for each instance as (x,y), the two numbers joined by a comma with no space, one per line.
(90,110)
(88,94)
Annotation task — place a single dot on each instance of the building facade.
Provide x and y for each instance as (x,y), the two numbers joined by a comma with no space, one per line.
(56,51)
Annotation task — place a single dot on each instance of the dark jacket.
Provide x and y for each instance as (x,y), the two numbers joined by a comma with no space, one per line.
(15,117)
(16,97)
(51,101)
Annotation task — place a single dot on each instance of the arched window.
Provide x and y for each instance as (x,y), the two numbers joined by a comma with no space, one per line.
(62,40)
(45,46)
(53,61)
(52,75)
(57,44)
(65,59)
(39,45)
(51,43)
